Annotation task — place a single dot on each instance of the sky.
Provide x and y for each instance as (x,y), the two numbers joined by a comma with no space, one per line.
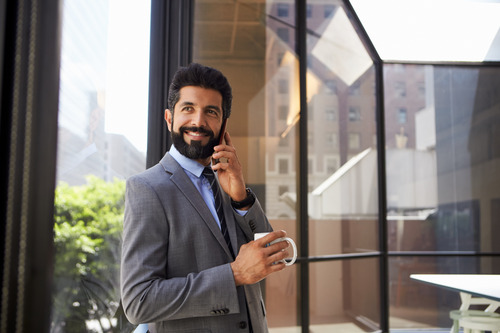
(128,70)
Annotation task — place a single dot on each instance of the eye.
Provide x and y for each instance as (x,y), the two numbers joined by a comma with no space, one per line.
(213,112)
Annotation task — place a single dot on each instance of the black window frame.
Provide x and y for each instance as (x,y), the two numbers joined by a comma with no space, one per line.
(30,38)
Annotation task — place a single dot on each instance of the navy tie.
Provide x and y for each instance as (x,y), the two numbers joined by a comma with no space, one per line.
(209,174)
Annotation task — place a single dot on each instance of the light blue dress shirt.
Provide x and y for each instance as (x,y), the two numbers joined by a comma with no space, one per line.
(194,171)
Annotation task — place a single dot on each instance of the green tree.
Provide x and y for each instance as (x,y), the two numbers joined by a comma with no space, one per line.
(88,229)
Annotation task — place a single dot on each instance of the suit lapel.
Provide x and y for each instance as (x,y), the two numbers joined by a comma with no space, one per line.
(181,180)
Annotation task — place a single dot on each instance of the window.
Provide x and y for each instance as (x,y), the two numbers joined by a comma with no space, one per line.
(331,87)
(355,89)
(283,86)
(354,141)
(309,11)
(283,9)
(421,89)
(354,113)
(282,189)
(331,165)
(283,34)
(283,166)
(328,11)
(331,139)
(284,142)
(400,89)
(102,123)
(283,112)
(402,115)
(451,143)
(331,114)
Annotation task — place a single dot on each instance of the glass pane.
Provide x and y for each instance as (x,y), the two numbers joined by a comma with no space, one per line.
(424,30)
(102,140)
(416,305)
(442,162)
(280,295)
(344,296)
(341,144)
(252,43)
(441,169)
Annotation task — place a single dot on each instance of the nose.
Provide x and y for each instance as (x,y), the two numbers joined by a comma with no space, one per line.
(198,119)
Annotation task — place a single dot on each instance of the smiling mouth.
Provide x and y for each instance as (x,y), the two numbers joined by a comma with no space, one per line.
(193,133)
(196,134)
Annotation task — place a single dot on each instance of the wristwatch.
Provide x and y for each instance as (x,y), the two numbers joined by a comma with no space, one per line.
(248,201)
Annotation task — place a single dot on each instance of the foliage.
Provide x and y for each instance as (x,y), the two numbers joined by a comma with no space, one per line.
(88,227)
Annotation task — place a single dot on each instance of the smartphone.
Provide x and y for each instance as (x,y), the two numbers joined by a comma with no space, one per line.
(221,138)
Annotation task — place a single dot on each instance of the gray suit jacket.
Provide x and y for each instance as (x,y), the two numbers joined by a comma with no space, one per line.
(175,270)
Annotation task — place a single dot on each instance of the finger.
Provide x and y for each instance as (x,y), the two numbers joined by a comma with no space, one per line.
(223,153)
(271,237)
(220,166)
(276,267)
(227,138)
(276,248)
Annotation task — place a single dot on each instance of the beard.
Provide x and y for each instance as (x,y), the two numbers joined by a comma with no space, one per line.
(194,150)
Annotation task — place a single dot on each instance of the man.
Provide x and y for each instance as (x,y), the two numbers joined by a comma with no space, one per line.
(185,268)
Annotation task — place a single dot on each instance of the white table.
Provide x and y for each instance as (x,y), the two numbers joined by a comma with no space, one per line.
(473,288)
(480,285)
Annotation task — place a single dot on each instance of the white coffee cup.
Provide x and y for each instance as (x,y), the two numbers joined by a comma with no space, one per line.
(288,239)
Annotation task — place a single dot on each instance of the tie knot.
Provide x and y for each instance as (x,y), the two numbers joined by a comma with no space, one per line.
(209,175)
(208,172)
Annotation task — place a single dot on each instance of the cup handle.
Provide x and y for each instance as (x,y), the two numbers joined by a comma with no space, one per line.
(291,242)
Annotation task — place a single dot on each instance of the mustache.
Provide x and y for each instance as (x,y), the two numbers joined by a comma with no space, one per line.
(196,129)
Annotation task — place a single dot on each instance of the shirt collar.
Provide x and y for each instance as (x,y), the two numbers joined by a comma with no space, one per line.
(186,163)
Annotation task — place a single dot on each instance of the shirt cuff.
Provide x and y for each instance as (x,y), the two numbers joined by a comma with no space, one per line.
(241,212)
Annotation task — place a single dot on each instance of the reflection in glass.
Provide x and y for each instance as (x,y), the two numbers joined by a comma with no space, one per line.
(442,161)
(420,306)
(101,94)
(344,295)
(253,44)
(341,106)
(441,169)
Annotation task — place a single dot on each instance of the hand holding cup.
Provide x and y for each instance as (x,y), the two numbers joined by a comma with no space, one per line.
(281,239)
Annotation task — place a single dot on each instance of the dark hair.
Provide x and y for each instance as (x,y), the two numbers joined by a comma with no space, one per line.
(200,76)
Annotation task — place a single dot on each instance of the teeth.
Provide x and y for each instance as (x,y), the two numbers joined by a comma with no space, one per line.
(194,134)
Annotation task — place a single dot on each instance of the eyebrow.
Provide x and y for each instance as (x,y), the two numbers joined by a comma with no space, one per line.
(186,103)
(213,107)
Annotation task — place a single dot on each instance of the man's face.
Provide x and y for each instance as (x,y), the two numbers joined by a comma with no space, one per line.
(196,122)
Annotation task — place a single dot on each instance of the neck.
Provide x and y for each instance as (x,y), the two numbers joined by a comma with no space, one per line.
(204,161)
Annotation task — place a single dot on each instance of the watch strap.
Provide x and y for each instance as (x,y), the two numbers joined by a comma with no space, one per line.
(248,201)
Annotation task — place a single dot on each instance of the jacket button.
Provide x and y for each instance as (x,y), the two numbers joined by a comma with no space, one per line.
(226,311)
(243,325)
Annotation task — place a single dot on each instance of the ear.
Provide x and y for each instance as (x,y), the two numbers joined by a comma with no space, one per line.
(168,119)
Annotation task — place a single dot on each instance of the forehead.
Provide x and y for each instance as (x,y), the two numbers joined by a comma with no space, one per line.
(199,96)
